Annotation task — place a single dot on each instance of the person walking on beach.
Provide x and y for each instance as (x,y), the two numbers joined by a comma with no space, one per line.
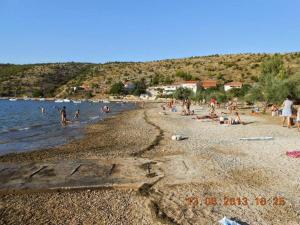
(63,116)
(287,111)
(77,114)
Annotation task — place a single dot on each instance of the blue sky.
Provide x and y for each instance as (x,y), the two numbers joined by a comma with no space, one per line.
(34,31)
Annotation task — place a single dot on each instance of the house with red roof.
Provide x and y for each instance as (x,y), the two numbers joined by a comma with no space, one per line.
(231,85)
(209,84)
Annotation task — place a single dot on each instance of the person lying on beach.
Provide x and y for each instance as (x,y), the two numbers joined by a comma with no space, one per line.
(210,116)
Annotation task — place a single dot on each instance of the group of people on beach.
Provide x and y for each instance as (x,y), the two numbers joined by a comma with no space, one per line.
(223,118)
(290,114)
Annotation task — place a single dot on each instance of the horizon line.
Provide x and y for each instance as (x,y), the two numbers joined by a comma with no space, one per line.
(154,60)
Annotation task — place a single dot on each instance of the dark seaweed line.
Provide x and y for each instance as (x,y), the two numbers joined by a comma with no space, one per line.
(155,142)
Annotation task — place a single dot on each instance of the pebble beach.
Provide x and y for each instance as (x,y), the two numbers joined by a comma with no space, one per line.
(208,175)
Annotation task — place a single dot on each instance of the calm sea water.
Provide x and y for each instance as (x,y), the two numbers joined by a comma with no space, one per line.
(23,127)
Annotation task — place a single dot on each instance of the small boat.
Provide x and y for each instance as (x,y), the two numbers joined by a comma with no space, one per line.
(42,99)
(76,101)
(12,99)
(26,99)
(67,100)
(59,101)
(95,101)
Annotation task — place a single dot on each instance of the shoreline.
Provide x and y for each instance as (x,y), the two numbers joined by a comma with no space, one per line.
(76,148)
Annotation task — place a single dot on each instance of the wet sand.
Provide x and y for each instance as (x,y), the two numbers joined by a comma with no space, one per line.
(212,163)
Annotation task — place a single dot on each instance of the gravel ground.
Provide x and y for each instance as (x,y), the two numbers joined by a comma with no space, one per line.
(212,164)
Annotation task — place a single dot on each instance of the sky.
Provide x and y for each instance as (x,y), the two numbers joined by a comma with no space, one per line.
(98,31)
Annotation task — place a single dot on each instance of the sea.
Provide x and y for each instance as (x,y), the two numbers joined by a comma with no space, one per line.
(23,126)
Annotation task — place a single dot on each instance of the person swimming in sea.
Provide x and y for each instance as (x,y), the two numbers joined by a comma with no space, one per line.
(105,109)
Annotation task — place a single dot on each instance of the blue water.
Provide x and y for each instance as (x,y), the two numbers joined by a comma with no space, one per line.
(23,127)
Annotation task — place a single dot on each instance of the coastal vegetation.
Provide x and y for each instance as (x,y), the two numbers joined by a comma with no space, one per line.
(261,75)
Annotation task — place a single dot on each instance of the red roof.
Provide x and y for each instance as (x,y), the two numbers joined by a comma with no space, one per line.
(209,83)
(234,84)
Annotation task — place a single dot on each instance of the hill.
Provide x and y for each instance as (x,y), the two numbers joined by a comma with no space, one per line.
(57,79)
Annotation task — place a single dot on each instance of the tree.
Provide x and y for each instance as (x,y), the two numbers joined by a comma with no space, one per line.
(117,88)
(272,65)
(37,93)
(273,84)
(155,80)
(140,87)
(183,93)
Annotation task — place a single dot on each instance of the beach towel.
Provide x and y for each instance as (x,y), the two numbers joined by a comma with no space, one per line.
(293,154)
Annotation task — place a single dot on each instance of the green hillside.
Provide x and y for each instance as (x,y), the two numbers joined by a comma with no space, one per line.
(56,79)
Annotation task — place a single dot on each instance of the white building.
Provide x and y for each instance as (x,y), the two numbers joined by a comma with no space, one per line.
(193,85)
(164,90)
(232,85)
(170,89)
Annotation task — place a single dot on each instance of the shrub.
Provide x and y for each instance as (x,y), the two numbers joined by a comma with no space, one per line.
(183,93)
(117,88)
(184,75)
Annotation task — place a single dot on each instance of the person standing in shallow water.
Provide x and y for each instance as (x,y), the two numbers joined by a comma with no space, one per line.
(42,110)
(77,114)
(63,116)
